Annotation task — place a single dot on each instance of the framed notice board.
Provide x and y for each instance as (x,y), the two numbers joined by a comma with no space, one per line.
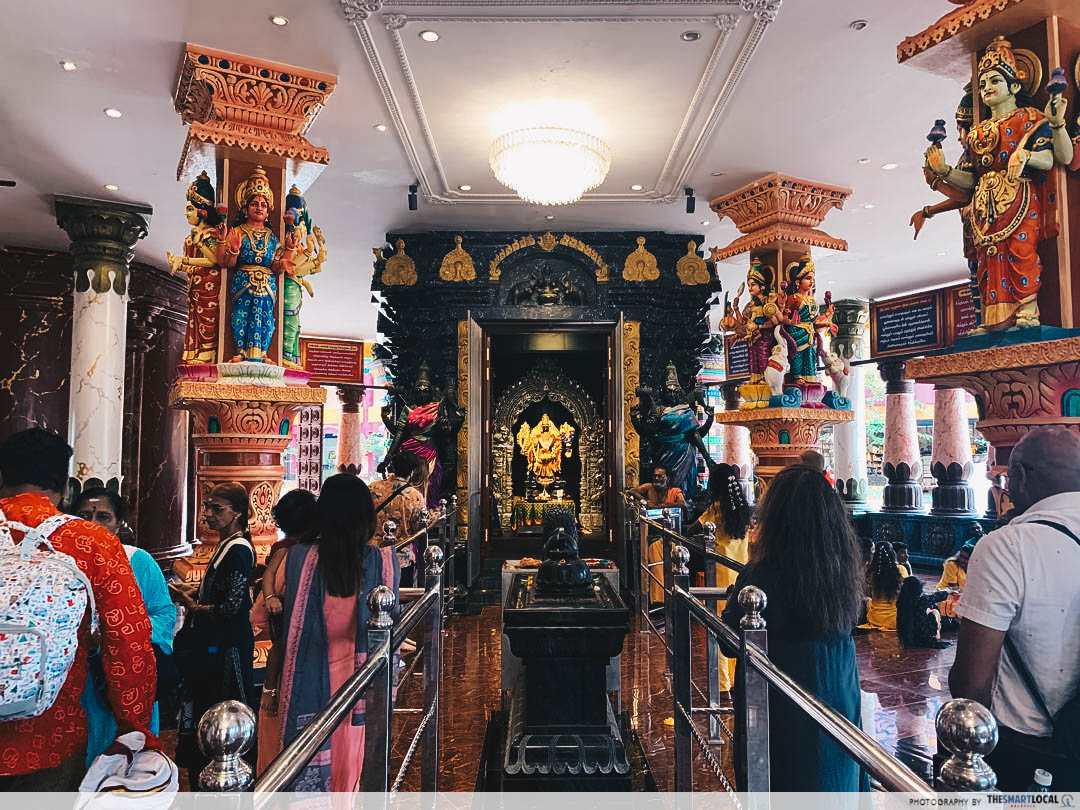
(333,361)
(908,325)
(737,358)
(961,311)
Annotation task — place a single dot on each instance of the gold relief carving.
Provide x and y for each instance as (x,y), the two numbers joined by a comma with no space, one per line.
(252,104)
(185,393)
(691,268)
(494,271)
(601,268)
(950,25)
(1003,357)
(457,265)
(631,338)
(1032,71)
(463,433)
(640,265)
(400,270)
(547,242)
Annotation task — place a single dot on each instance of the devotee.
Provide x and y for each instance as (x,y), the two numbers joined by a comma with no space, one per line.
(658,495)
(295,515)
(900,548)
(1018,651)
(398,498)
(218,637)
(918,622)
(106,508)
(729,512)
(953,578)
(807,563)
(326,624)
(47,752)
(816,461)
(886,577)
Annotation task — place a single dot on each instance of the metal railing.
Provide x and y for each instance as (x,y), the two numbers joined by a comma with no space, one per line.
(227,730)
(440,530)
(965,728)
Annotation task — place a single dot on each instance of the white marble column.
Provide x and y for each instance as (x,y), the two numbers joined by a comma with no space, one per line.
(849,438)
(737,450)
(901,461)
(951,461)
(103,236)
(349,456)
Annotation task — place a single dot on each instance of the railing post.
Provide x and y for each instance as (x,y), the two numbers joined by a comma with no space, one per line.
(968,731)
(225,733)
(389,537)
(712,646)
(643,559)
(378,697)
(669,580)
(429,768)
(419,563)
(679,632)
(752,749)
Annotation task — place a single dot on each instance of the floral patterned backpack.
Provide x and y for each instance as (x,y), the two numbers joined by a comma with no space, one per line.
(43,598)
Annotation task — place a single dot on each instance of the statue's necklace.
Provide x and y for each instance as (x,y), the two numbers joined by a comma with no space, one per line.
(258,247)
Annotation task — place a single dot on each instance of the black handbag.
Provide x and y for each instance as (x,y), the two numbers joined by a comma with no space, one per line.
(1066,722)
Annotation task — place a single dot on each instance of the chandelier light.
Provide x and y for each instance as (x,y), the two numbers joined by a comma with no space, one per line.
(550,165)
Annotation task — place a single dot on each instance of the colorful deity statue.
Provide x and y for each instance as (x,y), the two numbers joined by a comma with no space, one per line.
(200,261)
(419,427)
(803,319)
(308,260)
(672,430)
(755,324)
(1003,175)
(256,257)
(544,447)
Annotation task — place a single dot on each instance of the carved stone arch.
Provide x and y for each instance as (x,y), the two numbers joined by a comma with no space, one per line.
(545,381)
(535,273)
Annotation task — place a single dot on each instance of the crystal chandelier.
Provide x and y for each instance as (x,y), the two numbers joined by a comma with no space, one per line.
(550,165)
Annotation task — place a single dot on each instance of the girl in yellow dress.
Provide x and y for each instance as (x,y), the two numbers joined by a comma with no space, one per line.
(886,577)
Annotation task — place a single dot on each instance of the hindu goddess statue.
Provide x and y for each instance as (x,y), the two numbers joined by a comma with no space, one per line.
(1003,173)
(200,261)
(543,447)
(802,319)
(755,324)
(256,257)
(308,260)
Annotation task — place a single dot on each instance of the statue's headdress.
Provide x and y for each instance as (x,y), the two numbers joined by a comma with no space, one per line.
(256,183)
(760,273)
(671,377)
(999,56)
(201,192)
(798,270)
(423,374)
(965,110)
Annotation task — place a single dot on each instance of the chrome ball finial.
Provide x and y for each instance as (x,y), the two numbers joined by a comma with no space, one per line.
(433,560)
(968,730)
(753,601)
(380,603)
(225,733)
(710,535)
(680,559)
(389,531)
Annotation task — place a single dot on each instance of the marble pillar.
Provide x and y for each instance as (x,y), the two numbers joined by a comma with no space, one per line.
(951,462)
(737,450)
(103,237)
(849,438)
(901,461)
(349,453)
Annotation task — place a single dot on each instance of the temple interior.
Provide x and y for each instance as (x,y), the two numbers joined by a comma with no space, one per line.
(554,389)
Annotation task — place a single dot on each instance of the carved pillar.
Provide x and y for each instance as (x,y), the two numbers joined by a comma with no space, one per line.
(737,451)
(951,461)
(310,423)
(901,460)
(103,237)
(849,438)
(349,456)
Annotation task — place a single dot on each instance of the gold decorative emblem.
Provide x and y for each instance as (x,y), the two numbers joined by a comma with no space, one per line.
(691,268)
(640,265)
(400,270)
(457,265)
(1030,69)
(548,242)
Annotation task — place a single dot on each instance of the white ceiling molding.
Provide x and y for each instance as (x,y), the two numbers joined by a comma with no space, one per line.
(413,83)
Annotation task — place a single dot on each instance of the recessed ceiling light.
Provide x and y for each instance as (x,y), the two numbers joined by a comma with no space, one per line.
(429,36)
(857,25)
(278,20)
(704,222)
(636,187)
(889,166)
(112,187)
(68,66)
(868,205)
(942,253)
(690,36)
(717,174)
(380,127)
(863,161)
(464,187)
(112,112)
(550,216)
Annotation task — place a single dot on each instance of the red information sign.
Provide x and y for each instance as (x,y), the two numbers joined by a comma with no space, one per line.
(962,312)
(333,361)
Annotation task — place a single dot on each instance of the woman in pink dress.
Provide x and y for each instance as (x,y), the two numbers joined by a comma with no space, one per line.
(325,630)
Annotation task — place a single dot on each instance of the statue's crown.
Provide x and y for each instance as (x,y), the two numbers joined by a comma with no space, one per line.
(999,56)
(256,183)
(201,191)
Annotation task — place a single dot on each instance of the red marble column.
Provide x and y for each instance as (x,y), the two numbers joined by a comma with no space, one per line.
(349,457)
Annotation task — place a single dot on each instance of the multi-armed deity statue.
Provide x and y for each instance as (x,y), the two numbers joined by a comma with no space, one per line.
(421,427)
(309,258)
(1002,179)
(671,428)
(544,447)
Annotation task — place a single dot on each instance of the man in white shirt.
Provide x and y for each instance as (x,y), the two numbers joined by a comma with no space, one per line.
(1023,583)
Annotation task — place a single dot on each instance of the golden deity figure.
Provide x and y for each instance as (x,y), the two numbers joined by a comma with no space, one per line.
(544,447)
